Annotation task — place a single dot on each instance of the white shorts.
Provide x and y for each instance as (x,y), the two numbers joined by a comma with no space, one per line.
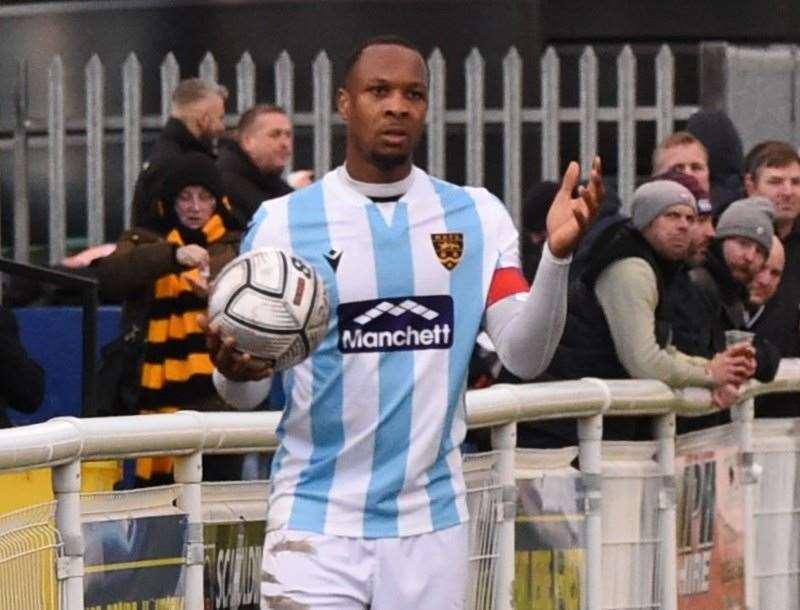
(307,571)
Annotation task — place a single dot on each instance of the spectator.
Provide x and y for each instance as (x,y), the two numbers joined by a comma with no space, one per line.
(765,316)
(197,117)
(773,171)
(251,165)
(682,152)
(740,248)
(715,130)
(702,230)
(162,277)
(21,379)
(616,323)
(685,304)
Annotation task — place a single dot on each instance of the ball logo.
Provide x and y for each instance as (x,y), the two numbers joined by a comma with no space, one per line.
(396,324)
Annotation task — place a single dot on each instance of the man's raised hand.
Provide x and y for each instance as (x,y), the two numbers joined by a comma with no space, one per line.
(569,216)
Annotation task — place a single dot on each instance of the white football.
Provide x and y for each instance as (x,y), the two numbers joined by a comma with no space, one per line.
(273,303)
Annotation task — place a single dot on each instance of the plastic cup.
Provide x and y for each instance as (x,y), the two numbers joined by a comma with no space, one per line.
(734,336)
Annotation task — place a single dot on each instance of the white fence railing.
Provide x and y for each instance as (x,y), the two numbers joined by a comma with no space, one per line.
(97,128)
(63,443)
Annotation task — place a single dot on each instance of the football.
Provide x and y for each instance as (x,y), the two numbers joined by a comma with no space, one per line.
(273,303)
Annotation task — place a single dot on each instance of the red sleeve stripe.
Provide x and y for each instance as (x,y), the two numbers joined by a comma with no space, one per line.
(505,282)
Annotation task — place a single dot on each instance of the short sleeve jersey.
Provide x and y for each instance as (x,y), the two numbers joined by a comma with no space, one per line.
(374,418)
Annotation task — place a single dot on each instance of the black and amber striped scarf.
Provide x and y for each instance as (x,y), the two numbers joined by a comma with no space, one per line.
(177,369)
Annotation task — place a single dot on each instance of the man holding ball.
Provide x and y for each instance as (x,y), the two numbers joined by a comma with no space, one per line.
(367,499)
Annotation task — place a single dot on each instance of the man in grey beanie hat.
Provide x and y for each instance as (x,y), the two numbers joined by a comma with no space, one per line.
(745,231)
(742,243)
(653,198)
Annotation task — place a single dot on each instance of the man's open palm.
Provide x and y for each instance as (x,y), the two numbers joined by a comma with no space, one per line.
(569,216)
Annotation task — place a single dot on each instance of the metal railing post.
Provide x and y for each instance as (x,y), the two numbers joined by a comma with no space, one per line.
(504,441)
(590,439)
(67,490)
(668,551)
(743,414)
(189,475)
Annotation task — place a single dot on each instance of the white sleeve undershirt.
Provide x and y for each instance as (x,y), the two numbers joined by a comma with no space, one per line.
(244,395)
(526,329)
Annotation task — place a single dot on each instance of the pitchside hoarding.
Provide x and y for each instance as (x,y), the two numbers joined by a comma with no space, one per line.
(710,521)
(135,564)
(550,541)
(233,565)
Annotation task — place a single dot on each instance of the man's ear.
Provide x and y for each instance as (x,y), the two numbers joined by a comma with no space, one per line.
(749,184)
(343,103)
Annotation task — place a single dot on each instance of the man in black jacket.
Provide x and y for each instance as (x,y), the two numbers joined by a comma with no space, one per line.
(21,379)
(197,117)
(741,246)
(251,165)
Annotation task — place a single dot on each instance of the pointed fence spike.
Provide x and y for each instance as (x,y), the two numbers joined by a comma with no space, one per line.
(207,70)
(437,114)
(170,76)
(245,83)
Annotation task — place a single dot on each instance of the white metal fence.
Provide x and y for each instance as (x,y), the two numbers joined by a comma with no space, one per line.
(62,444)
(97,128)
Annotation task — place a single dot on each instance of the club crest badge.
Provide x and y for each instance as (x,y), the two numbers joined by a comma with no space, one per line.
(449,248)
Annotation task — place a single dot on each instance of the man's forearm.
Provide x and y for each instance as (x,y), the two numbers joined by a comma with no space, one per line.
(526,332)
(243,395)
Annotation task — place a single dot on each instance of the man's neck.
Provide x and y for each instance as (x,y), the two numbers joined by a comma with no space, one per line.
(189,125)
(784,227)
(369,173)
(371,189)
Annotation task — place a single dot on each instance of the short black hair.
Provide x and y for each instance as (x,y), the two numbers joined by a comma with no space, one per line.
(383,39)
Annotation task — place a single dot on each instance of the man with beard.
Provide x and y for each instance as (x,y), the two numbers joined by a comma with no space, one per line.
(743,240)
(686,309)
(251,164)
(367,497)
(197,116)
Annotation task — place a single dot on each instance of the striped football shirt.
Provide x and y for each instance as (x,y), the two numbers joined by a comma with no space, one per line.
(374,418)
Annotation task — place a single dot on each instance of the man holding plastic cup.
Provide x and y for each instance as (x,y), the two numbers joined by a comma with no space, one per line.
(743,241)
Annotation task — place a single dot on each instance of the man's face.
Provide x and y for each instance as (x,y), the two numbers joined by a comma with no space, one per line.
(766,281)
(212,117)
(744,258)
(687,159)
(268,142)
(194,206)
(781,185)
(702,232)
(384,103)
(670,233)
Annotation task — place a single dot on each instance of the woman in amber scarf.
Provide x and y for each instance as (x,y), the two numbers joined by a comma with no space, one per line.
(163,279)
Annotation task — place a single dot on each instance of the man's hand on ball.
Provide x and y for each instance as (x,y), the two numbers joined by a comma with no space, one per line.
(192,255)
(233,364)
